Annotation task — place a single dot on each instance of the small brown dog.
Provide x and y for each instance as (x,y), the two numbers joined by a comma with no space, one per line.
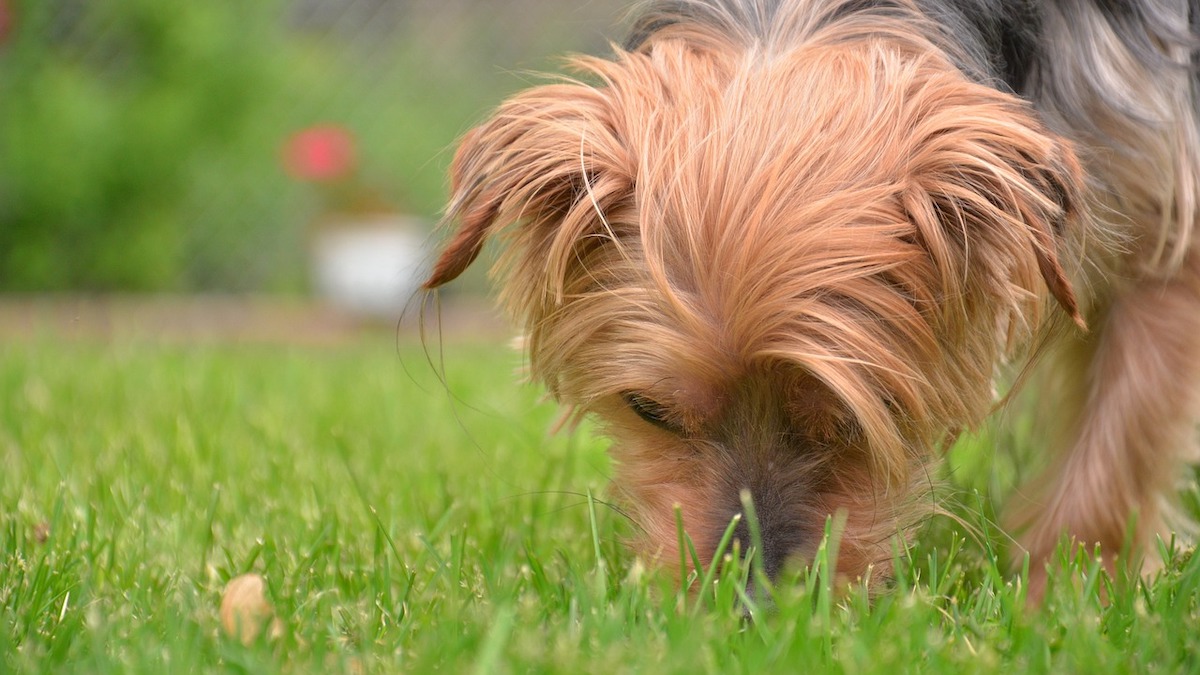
(791,246)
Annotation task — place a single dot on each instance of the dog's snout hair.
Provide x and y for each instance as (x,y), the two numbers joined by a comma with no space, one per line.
(785,531)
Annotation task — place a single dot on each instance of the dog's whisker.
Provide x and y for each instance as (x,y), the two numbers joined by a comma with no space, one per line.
(570,493)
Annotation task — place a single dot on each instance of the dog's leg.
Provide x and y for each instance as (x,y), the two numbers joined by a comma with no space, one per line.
(1127,424)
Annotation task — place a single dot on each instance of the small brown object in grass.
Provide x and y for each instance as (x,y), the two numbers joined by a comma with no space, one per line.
(245,609)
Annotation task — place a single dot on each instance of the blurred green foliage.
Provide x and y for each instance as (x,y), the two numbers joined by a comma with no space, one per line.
(98,150)
(140,139)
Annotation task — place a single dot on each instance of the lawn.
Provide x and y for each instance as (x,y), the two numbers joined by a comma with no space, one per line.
(406,525)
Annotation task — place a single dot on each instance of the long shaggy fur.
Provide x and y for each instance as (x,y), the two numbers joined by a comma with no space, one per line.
(787,246)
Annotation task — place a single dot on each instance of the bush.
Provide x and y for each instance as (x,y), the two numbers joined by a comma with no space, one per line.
(101,139)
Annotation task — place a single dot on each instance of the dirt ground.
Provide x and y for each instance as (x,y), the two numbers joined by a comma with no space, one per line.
(248,319)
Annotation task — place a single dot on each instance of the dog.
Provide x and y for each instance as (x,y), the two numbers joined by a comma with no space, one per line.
(797,247)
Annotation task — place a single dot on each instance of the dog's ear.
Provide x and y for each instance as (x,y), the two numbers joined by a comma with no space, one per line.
(546,155)
(994,196)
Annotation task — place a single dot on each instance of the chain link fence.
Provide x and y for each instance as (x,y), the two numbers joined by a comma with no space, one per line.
(141,141)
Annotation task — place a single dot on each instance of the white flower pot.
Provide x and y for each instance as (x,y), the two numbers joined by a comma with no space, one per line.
(370,265)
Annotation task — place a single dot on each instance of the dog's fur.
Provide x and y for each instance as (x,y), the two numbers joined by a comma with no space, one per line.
(791,246)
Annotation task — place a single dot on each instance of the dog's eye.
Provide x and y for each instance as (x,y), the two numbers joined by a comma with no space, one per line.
(649,410)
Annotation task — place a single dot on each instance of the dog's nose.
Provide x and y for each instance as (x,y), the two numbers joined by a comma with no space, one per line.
(780,537)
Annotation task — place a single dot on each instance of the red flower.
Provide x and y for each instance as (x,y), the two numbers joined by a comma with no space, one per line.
(321,154)
(6,21)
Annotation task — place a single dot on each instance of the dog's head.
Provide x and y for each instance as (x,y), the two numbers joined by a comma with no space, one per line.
(793,273)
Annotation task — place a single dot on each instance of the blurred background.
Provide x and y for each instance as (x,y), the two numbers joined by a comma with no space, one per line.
(285,151)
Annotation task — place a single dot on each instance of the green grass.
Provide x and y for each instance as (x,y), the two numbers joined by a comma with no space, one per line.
(402,528)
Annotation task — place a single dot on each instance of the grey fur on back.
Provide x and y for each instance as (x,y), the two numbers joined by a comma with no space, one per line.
(1006,38)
